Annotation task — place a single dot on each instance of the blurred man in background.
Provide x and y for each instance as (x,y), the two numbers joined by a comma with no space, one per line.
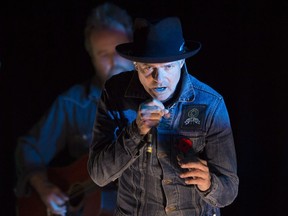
(61,138)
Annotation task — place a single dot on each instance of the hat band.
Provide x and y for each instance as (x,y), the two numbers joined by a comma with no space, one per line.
(159,49)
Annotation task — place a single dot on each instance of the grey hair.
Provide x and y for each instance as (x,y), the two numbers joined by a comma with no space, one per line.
(107,16)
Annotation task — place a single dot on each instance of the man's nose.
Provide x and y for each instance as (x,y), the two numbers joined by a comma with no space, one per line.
(158,75)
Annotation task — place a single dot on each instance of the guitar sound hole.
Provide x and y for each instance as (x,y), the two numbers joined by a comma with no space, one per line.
(76,195)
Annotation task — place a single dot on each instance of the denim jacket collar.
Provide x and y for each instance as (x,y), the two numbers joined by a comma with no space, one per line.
(93,90)
(135,88)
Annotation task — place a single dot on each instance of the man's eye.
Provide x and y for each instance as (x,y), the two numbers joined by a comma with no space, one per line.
(148,69)
(167,67)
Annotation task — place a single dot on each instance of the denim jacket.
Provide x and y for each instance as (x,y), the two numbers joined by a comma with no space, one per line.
(62,134)
(149,183)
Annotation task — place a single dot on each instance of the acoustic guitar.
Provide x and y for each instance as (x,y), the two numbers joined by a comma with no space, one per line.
(74,179)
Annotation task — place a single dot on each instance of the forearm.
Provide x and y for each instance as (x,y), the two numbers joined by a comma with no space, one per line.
(223,190)
(39,180)
(107,164)
(27,163)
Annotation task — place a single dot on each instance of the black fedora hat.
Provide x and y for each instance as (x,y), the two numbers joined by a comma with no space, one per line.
(157,42)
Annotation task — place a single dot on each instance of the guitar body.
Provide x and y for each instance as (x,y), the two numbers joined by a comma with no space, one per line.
(71,179)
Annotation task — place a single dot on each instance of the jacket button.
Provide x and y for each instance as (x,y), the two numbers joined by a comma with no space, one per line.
(162,155)
(167,181)
(170,209)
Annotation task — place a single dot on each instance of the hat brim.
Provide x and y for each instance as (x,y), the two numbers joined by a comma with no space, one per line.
(126,51)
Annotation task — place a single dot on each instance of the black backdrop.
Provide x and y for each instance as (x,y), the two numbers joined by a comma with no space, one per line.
(244,57)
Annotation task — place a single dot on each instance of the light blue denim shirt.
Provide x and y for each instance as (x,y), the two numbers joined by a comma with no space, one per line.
(150,184)
(63,134)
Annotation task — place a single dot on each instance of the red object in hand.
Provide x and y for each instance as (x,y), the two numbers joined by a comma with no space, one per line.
(184,145)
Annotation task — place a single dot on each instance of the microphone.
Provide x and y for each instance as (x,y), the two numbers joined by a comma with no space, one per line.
(151,139)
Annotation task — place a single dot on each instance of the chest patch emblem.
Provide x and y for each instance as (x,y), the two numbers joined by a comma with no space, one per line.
(192,116)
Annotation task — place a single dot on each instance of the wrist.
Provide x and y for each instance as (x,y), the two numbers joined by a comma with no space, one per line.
(38,180)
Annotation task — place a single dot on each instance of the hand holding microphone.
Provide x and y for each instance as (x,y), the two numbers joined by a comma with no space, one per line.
(149,115)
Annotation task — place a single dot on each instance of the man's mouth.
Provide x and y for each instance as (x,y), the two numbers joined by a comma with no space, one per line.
(159,89)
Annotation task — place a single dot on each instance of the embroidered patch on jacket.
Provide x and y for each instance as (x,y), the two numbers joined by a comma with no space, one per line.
(192,116)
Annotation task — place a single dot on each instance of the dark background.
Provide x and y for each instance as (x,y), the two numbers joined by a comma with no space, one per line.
(244,57)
